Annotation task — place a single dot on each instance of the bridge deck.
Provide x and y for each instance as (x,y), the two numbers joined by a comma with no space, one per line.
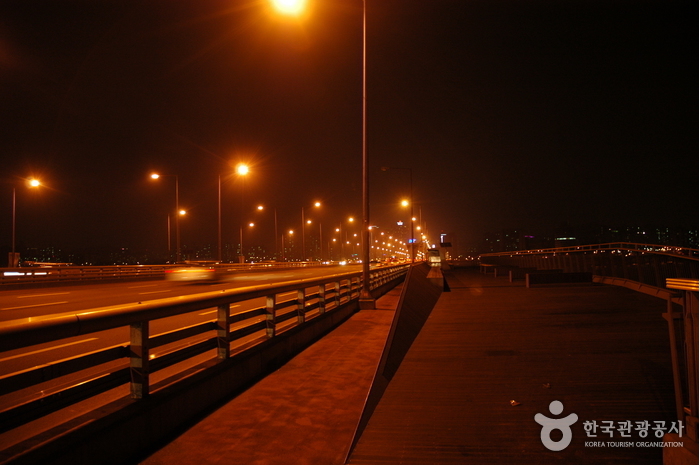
(602,351)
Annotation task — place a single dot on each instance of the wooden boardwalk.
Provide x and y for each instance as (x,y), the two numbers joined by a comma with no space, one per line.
(602,351)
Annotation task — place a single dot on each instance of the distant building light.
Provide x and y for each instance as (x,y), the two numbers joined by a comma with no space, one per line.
(565,238)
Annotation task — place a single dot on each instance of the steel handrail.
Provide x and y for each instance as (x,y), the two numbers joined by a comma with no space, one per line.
(684,252)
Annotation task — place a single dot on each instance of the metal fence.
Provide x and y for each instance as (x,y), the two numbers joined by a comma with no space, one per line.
(33,393)
(647,265)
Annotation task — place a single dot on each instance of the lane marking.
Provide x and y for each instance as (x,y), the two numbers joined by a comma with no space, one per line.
(154,292)
(35,305)
(47,349)
(41,295)
(143,285)
(214,311)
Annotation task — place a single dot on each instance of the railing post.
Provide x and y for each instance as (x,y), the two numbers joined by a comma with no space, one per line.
(322,298)
(223,331)
(338,292)
(271,315)
(301,306)
(674,357)
(140,360)
(691,305)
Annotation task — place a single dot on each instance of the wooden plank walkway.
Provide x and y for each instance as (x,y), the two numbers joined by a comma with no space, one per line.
(602,351)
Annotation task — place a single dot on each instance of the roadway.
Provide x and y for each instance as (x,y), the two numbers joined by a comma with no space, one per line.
(32,303)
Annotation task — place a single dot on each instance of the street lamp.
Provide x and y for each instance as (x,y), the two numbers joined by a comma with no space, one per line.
(290,7)
(405,203)
(14,258)
(178,212)
(291,232)
(242,169)
(366,301)
(303,230)
(259,208)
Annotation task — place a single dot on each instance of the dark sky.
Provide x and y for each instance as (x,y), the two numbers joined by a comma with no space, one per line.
(509,113)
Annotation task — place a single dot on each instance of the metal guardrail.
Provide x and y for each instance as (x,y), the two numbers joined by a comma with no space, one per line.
(645,264)
(134,362)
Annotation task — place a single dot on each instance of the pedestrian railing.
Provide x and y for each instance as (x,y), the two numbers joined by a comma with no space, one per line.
(642,265)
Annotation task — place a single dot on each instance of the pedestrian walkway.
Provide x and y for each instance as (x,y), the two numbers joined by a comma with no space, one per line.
(494,354)
(304,413)
(491,356)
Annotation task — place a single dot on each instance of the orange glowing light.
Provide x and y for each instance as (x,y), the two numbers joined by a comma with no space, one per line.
(289,7)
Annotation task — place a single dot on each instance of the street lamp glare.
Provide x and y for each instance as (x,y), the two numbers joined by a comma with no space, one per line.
(405,203)
(242,169)
(289,7)
(155,176)
(34,183)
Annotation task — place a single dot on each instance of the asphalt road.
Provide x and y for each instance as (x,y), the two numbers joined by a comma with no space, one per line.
(27,303)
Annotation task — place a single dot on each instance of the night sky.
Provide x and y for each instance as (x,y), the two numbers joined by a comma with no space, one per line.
(510,114)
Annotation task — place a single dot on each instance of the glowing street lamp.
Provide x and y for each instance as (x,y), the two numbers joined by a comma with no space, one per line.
(366,301)
(178,212)
(242,169)
(290,233)
(290,7)
(14,257)
(303,230)
(405,203)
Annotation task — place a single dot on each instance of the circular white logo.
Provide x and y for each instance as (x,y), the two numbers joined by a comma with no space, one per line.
(561,424)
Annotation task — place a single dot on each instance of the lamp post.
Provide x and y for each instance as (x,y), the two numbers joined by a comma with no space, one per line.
(14,258)
(366,301)
(177,211)
(291,232)
(412,218)
(303,231)
(242,169)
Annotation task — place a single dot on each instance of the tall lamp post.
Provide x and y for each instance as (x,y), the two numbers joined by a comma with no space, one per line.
(412,218)
(303,231)
(14,258)
(366,301)
(242,169)
(178,212)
